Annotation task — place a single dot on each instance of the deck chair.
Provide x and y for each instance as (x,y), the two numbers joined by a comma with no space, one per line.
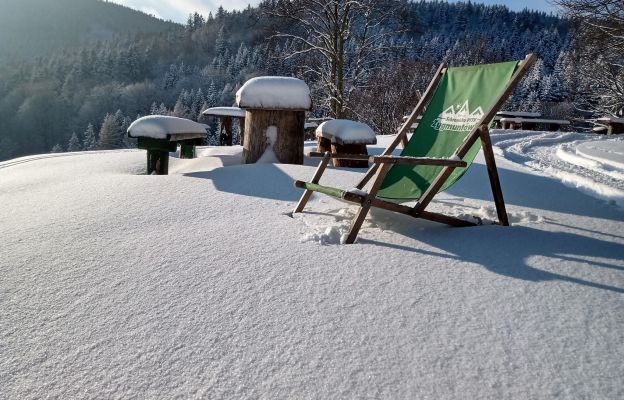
(458,106)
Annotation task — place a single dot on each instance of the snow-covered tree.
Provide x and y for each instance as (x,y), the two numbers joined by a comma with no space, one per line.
(340,39)
(74,143)
(112,132)
(89,141)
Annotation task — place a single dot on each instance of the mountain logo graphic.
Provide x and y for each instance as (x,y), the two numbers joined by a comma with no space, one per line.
(458,118)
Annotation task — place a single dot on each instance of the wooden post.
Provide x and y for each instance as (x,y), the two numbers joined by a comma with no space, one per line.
(323,145)
(280,130)
(187,149)
(158,162)
(241,129)
(225,131)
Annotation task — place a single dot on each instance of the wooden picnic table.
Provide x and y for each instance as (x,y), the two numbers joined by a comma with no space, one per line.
(532,123)
(613,125)
(160,135)
(225,115)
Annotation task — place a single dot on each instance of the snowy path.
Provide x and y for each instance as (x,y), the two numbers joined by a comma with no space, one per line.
(114,284)
(591,163)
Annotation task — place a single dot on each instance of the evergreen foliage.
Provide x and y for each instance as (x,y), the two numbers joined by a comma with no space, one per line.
(74,143)
(181,71)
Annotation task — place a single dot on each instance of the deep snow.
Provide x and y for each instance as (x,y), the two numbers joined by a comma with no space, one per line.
(199,284)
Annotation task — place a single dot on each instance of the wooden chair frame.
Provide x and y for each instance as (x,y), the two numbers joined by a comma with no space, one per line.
(383,163)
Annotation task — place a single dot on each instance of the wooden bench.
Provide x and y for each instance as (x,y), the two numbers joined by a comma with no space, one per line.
(341,136)
(533,123)
(613,125)
(513,114)
(225,115)
(160,135)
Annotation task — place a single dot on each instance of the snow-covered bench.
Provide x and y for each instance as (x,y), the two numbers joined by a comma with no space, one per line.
(160,135)
(532,123)
(613,125)
(513,114)
(341,136)
(225,115)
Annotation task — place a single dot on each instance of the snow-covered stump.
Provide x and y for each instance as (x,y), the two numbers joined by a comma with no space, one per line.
(225,115)
(160,135)
(275,119)
(340,136)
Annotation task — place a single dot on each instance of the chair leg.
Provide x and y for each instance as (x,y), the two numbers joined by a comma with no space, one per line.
(305,197)
(357,222)
(490,162)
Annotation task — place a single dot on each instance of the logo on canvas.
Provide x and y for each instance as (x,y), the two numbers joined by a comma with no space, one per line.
(458,118)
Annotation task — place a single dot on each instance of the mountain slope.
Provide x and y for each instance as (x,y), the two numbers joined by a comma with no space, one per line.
(39,27)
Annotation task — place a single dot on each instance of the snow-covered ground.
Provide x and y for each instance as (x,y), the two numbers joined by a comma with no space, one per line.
(199,285)
(591,163)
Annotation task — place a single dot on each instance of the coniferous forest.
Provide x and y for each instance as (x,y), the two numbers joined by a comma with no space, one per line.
(81,88)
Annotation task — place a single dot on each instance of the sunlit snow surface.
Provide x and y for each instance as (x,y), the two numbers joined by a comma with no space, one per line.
(592,163)
(198,284)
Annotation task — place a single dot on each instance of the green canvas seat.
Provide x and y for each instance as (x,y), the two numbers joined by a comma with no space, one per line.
(458,106)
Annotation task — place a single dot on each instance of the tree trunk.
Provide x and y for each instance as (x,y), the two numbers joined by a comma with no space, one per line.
(279,130)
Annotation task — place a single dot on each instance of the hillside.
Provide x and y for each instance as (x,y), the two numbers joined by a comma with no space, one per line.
(44,102)
(199,285)
(41,27)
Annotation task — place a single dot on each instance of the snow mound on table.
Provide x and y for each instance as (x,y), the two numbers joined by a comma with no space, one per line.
(274,93)
(346,132)
(159,126)
(226,112)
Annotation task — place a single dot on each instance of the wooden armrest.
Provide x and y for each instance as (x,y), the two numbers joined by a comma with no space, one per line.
(445,162)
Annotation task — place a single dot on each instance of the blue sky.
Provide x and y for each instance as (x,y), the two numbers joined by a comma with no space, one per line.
(178,10)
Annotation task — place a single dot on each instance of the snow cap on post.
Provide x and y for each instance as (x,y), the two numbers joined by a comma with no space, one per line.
(274,93)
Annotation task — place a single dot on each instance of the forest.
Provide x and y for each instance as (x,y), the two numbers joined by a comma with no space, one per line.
(83,96)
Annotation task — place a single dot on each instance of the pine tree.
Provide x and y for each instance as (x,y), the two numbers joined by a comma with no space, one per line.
(198,101)
(90,141)
(74,143)
(162,110)
(180,110)
(220,43)
(57,149)
(110,135)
